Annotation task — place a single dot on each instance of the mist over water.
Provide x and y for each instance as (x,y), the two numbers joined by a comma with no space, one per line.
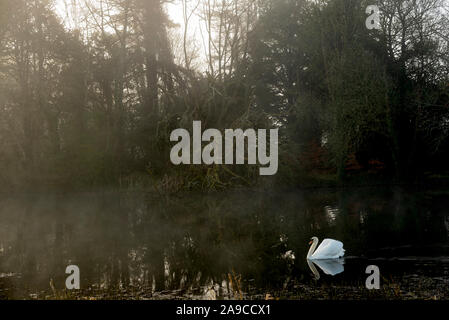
(238,244)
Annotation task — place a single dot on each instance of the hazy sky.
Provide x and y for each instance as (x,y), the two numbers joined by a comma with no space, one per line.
(174,11)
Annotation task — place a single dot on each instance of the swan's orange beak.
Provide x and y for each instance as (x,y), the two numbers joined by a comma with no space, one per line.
(310,242)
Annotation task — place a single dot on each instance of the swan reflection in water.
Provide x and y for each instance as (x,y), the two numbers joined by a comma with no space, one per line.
(328,257)
(330,267)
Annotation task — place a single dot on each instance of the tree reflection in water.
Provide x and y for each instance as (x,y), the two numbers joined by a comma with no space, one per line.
(229,245)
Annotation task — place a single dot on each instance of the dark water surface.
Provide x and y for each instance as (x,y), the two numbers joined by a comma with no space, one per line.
(233,245)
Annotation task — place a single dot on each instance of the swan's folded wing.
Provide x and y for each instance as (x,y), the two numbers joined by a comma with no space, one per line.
(328,249)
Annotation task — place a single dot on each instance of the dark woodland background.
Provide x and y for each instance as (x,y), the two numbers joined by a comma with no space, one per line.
(93,106)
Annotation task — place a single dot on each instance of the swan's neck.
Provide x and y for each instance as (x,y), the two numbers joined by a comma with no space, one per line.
(312,247)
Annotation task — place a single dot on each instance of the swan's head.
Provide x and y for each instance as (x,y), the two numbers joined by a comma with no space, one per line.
(313,239)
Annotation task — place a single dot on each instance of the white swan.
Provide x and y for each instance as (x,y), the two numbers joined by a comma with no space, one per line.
(328,249)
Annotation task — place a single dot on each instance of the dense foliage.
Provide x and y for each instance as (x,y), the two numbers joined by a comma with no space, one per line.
(93,105)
